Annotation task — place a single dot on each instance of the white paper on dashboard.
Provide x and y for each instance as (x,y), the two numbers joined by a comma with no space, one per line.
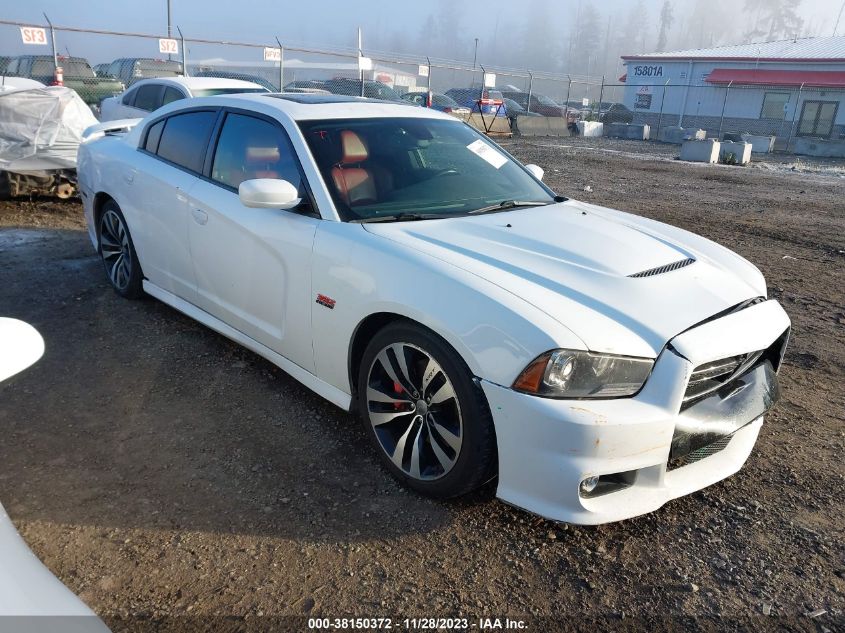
(483,150)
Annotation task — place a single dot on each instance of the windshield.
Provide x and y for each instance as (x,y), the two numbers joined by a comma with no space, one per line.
(544,100)
(212,92)
(384,167)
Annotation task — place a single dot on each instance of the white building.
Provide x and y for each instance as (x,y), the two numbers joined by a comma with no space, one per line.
(786,88)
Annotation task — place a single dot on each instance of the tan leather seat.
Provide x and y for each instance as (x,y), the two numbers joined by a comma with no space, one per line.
(354,183)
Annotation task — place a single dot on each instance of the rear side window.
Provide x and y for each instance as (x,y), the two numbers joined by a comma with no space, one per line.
(148,97)
(153,137)
(253,148)
(171,95)
(185,139)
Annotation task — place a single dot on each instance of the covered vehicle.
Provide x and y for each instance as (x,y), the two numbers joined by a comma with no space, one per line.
(40,133)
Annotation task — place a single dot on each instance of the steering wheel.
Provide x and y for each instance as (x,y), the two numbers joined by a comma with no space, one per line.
(446,172)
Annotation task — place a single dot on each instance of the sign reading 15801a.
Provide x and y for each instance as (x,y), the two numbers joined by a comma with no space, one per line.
(648,71)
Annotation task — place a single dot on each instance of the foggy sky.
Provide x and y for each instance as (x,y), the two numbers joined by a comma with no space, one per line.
(537,34)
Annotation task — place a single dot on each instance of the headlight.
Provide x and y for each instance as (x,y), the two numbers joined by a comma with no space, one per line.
(566,373)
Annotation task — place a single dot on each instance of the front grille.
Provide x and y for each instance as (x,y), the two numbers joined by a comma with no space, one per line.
(710,376)
(651,272)
(700,453)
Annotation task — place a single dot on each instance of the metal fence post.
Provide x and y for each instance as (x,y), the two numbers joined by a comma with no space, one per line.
(52,42)
(724,105)
(281,66)
(184,52)
(428,83)
(568,90)
(662,102)
(530,90)
(601,96)
(794,114)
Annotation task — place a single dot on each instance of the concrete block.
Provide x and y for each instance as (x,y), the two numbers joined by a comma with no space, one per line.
(634,132)
(760,144)
(701,151)
(677,135)
(821,148)
(741,152)
(541,126)
(590,128)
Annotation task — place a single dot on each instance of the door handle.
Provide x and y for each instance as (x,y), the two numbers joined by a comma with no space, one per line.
(200,216)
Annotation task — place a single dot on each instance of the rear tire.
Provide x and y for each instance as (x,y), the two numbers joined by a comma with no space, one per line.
(426,417)
(117,253)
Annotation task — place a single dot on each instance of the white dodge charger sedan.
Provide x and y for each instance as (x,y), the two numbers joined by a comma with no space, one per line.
(405,267)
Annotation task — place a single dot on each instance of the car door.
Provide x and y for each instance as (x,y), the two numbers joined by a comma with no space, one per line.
(252,266)
(171,157)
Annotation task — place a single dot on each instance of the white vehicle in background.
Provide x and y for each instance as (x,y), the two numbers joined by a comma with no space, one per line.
(28,591)
(148,95)
(401,264)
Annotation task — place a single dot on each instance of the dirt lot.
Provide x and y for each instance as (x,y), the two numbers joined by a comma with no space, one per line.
(168,476)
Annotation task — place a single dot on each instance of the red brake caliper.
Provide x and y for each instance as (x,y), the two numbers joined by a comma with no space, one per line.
(398,389)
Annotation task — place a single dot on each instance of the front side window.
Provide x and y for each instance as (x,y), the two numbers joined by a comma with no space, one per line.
(251,148)
(148,97)
(391,166)
(185,139)
(129,97)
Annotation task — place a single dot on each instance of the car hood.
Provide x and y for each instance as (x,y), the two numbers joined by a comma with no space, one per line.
(575,261)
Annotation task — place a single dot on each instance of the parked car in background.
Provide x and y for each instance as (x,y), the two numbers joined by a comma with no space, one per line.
(352,88)
(540,104)
(616,113)
(132,69)
(77,74)
(437,101)
(102,70)
(4,63)
(299,85)
(395,260)
(486,101)
(150,94)
(228,74)
(515,110)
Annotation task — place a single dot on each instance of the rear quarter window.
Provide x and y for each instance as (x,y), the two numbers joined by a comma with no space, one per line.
(185,139)
(148,97)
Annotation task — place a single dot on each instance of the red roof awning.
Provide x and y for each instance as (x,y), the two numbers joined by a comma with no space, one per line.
(623,78)
(756,77)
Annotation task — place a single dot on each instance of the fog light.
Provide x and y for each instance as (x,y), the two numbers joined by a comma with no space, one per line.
(588,485)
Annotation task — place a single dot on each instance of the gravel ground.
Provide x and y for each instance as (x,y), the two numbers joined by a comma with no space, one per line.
(171,478)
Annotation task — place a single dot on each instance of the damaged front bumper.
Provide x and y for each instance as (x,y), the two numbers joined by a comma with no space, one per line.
(648,449)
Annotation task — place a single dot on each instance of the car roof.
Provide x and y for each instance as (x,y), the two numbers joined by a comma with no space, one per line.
(199,83)
(306,107)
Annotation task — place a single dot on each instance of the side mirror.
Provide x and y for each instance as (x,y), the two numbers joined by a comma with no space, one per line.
(268,193)
(22,345)
(535,171)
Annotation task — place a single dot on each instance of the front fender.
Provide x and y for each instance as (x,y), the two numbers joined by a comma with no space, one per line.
(495,332)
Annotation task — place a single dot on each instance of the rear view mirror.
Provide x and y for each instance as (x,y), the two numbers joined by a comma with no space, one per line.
(268,193)
(22,345)
(535,171)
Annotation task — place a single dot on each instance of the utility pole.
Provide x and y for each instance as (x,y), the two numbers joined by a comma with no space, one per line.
(169,21)
(475,55)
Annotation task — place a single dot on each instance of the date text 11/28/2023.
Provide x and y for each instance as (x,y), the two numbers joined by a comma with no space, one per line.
(418,624)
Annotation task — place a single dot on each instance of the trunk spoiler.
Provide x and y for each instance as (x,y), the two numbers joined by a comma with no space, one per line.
(109,128)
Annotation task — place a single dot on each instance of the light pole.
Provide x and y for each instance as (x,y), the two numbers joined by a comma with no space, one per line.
(169,27)
(475,55)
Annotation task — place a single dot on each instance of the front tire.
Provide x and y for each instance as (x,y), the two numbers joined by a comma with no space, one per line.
(117,253)
(427,419)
